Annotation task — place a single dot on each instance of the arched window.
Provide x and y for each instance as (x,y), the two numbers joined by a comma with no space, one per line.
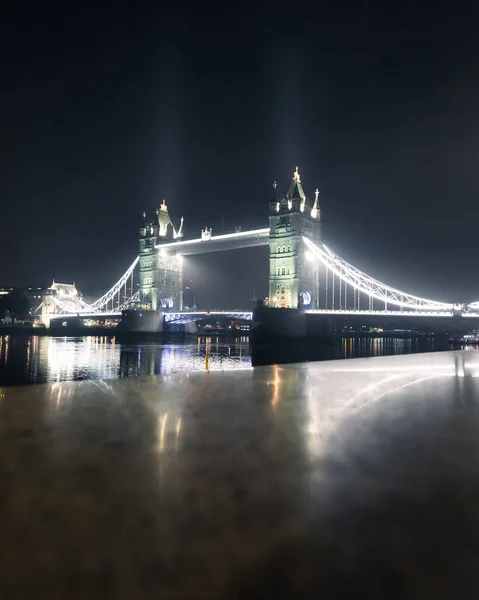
(279,271)
(278,249)
(283,271)
(284,248)
(289,248)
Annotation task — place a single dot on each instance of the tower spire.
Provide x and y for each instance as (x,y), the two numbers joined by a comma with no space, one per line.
(164,219)
(315,209)
(296,183)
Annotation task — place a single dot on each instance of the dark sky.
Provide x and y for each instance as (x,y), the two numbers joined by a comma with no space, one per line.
(107,108)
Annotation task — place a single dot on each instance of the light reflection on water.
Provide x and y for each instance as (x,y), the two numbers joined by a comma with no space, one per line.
(50,359)
(39,359)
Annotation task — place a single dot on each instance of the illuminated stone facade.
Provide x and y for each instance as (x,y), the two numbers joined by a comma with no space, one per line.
(293,281)
(160,272)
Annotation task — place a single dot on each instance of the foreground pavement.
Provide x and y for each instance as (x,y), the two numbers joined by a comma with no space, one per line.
(324,479)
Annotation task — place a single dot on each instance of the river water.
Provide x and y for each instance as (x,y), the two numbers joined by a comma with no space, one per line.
(38,359)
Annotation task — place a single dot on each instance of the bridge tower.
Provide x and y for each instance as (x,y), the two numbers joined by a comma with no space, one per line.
(161,272)
(293,279)
(147,265)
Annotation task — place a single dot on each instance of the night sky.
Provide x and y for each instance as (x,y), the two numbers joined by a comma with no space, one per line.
(108,108)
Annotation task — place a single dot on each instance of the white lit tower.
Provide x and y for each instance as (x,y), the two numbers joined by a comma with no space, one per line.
(161,271)
(147,265)
(293,279)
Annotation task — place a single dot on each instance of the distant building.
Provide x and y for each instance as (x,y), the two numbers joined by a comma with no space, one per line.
(35,304)
(31,295)
(60,297)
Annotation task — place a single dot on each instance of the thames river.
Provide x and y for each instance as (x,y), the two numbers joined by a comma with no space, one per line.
(38,359)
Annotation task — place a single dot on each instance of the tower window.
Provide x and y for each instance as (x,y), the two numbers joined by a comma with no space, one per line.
(289,248)
(279,271)
(283,271)
(278,249)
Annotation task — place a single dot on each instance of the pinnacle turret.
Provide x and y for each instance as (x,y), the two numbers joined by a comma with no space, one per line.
(315,209)
(296,183)
(164,219)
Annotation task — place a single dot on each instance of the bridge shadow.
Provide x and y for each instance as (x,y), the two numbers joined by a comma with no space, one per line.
(283,353)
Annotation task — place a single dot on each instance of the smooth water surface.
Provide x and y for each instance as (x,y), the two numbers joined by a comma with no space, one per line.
(50,359)
(37,359)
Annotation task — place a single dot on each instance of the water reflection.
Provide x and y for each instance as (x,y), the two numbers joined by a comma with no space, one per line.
(52,359)
(347,347)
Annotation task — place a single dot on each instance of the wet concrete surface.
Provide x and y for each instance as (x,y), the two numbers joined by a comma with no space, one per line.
(331,480)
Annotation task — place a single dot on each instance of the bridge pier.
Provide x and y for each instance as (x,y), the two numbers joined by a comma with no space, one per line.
(141,321)
(289,324)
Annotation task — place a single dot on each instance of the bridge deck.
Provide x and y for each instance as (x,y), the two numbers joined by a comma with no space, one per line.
(217,243)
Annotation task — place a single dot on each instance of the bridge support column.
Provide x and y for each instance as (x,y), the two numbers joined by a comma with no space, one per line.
(48,308)
(144,321)
(191,327)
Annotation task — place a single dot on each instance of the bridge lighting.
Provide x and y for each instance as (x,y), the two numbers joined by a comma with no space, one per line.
(370,286)
(260,233)
(163,252)
(179,258)
(309,255)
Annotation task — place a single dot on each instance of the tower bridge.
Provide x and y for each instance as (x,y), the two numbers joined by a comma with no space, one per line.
(303,272)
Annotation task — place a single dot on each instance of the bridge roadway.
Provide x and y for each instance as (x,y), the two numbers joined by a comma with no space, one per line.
(170,317)
(247,315)
(217,243)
